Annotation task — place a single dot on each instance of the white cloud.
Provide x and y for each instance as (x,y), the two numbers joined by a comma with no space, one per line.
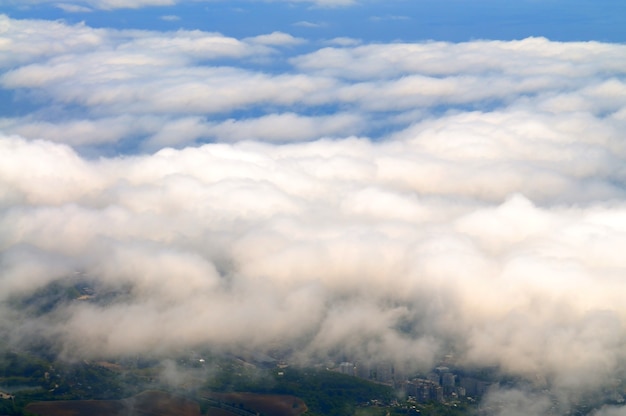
(611,411)
(73,8)
(343,41)
(193,73)
(170,18)
(276,39)
(81,5)
(468,192)
(279,128)
(306,23)
(567,60)
(326,222)
(516,402)
(128,4)
(84,132)
(21,44)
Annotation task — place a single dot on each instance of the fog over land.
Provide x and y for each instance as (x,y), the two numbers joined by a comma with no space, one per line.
(395,202)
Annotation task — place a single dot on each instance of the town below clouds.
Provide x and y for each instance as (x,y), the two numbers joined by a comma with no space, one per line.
(401,201)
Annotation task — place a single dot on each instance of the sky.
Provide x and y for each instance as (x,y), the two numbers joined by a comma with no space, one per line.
(374,181)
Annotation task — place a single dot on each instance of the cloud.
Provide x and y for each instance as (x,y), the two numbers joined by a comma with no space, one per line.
(385,60)
(321,245)
(170,18)
(276,39)
(146,72)
(610,411)
(399,201)
(82,132)
(343,41)
(158,132)
(83,5)
(24,45)
(513,402)
(138,74)
(305,23)
(73,8)
(280,128)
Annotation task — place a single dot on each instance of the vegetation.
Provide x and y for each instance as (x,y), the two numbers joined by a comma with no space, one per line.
(319,391)
(324,392)
(330,393)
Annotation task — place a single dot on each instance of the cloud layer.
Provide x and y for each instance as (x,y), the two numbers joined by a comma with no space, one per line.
(77,6)
(397,201)
(181,88)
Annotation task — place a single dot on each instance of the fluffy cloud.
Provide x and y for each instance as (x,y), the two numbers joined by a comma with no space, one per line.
(398,201)
(515,402)
(192,80)
(322,245)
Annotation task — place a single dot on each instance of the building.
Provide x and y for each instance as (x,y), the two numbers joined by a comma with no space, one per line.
(348,368)
(474,387)
(424,390)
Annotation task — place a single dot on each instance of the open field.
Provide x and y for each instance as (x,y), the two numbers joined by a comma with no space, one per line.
(150,403)
(77,408)
(219,412)
(371,411)
(267,404)
(156,403)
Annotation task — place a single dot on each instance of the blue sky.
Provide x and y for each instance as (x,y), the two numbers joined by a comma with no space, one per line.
(331,174)
(451,20)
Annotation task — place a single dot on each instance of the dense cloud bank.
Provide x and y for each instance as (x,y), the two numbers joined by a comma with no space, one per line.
(386,202)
